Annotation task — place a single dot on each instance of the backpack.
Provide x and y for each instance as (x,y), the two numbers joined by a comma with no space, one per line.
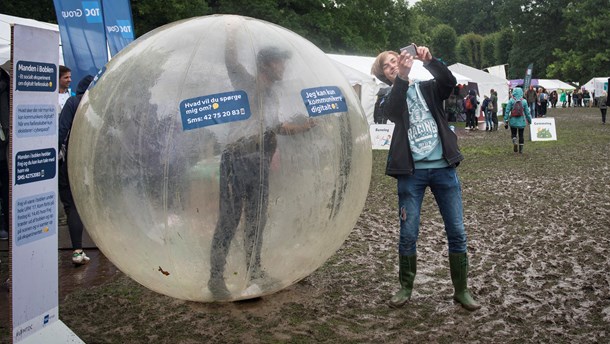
(468,103)
(517,110)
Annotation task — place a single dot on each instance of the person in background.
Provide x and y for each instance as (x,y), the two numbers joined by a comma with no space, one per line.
(5,87)
(494,111)
(487,112)
(603,105)
(471,117)
(516,116)
(569,99)
(586,96)
(377,115)
(75,225)
(554,97)
(63,83)
(543,102)
(532,98)
(424,153)
(562,98)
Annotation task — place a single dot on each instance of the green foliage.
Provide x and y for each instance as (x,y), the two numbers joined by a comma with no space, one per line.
(565,39)
(488,48)
(443,42)
(150,14)
(588,54)
(503,46)
(469,50)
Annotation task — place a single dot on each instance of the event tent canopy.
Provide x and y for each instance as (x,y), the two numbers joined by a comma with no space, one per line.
(364,64)
(548,84)
(365,85)
(485,81)
(5,33)
(598,85)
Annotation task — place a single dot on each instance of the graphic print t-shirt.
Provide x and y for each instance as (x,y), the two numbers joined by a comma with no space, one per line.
(425,143)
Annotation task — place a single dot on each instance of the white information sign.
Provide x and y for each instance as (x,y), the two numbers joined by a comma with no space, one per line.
(543,129)
(381,135)
(33,165)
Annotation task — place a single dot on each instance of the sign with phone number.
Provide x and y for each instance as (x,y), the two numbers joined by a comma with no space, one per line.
(214,109)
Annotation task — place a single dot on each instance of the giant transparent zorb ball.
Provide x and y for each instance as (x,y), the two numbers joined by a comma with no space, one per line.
(219,158)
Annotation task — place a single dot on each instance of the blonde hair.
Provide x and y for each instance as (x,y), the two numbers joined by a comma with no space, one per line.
(377,68)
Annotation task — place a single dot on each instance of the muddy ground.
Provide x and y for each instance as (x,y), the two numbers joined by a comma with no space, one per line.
(539,246)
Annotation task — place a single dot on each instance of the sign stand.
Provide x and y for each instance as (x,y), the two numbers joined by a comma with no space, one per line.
(33,188)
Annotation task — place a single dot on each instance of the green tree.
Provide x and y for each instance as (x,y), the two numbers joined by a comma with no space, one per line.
(443,43)
(488,47)
(462,15)
(503,46)
(469,50)
(538,29)
(585,51)
(42,10)
(151,14)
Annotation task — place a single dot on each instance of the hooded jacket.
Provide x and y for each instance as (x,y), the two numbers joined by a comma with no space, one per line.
(66,117)
(435,91)
(517,122)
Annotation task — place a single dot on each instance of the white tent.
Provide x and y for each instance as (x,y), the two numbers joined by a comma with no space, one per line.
(554,84)
(5,34)
(485,81)
(598,85)
(365,85)
(363,64)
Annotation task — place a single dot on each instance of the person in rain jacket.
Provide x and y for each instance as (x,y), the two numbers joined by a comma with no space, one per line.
(517,124)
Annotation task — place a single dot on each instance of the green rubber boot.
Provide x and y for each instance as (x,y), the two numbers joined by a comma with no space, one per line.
(407,267)
(458,263)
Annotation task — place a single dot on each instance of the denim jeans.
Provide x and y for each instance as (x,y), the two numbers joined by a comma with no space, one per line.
(532,109)
(489,124)
(447,192)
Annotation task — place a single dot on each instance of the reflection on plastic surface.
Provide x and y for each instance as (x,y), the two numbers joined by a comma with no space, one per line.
(221,209)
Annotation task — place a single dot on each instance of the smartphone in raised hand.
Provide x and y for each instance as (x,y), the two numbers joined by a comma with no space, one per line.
(411,49)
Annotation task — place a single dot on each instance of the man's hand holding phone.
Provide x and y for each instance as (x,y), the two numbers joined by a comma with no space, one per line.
(410,49)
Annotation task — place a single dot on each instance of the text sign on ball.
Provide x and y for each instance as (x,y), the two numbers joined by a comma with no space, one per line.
(214,109)
(323,100)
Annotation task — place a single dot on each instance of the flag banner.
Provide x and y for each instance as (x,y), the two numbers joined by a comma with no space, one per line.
(119,24)
(81,27)
(528,76)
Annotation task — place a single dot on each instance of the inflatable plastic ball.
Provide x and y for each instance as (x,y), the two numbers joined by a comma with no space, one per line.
(219,158)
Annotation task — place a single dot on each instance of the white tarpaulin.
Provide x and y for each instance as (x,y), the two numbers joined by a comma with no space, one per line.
(358,71)
(364,64)
(598,85)
(554,84)
(365,85)
(485,81)
(5,34)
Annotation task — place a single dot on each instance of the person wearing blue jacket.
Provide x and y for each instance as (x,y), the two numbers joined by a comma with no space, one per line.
(517,121)
(424,153)
(75,225)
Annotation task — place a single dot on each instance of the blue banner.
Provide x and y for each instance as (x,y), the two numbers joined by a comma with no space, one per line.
(323,100)
(214,109)
(119,25)
(83,38)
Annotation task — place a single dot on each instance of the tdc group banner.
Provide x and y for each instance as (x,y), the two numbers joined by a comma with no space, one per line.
(89,29)
(118,23)
(83,36)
